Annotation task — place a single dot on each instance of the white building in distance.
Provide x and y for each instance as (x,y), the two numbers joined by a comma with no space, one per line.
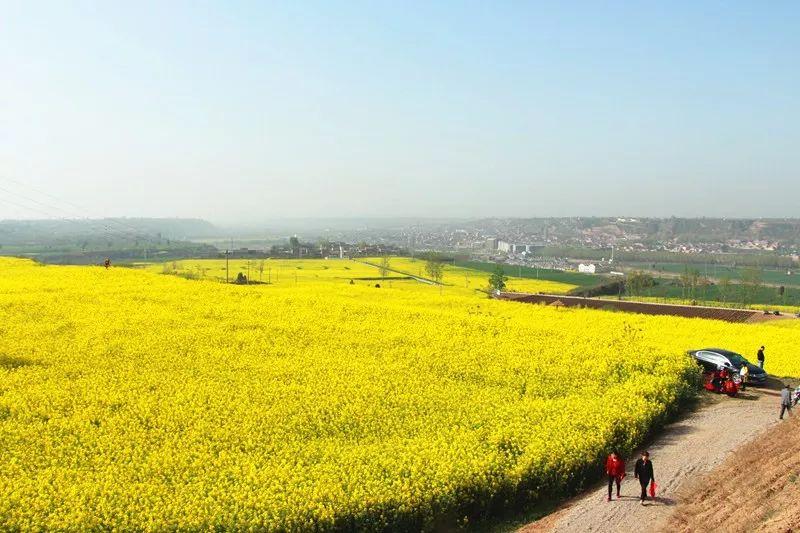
(512,248)
(587,269)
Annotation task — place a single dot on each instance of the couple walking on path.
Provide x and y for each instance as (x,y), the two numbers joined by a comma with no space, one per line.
(643,471)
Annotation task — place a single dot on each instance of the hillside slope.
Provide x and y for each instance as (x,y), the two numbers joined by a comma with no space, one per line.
(764,476)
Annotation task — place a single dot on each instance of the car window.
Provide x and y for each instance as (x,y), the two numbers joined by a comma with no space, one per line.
(710,356)
(737,359)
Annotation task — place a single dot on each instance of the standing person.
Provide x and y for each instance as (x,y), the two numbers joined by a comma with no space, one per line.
(744,373)
(786,400)
(644,473)
(761,357)
(615,470)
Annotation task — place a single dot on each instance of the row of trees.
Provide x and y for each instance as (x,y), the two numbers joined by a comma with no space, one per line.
(696,286)
(435,265)
(750,283)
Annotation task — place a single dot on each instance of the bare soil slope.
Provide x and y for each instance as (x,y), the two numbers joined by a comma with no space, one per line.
(764,475)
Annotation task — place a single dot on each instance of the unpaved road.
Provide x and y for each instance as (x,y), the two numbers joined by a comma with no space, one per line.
(682,452)
(763,474)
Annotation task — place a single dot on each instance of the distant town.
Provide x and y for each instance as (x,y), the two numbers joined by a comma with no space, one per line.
(558,243)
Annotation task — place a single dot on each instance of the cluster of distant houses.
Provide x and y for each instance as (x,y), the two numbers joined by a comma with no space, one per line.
(498,245)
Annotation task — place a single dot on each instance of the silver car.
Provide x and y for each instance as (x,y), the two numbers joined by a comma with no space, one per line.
(713,358)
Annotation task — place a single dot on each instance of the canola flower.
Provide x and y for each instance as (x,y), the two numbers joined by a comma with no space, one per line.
(135,401)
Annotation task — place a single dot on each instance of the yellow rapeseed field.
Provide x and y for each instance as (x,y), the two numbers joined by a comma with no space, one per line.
(334,270)
(274,271)
(131,400)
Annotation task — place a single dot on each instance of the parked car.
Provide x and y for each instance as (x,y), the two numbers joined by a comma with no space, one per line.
(711,359)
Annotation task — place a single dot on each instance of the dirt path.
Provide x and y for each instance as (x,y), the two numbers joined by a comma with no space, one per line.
(763,474)
(682,452)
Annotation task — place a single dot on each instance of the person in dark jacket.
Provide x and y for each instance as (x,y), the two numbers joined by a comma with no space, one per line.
(786,400)
(643,471)
(761,357)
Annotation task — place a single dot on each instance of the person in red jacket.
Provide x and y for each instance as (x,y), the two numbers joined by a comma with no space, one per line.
(615,470)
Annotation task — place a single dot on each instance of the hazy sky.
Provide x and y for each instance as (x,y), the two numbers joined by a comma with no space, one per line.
(237,111)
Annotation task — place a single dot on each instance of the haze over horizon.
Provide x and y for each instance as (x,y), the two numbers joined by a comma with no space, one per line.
(239,113)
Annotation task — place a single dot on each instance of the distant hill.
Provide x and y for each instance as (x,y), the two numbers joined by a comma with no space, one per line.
(48,232)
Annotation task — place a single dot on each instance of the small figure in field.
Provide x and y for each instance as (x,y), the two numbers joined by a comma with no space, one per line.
(615,470)
(786,400)
(107,262)
(761,357)
(744,373)
(644,473)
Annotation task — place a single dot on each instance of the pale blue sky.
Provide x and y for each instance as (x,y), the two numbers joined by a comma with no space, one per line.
(238,111)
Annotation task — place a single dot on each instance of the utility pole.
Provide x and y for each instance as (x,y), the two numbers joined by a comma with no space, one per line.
(227,267)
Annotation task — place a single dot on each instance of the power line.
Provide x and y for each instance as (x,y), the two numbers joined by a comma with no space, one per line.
(106,229)
(7,201)
(130,234)
(74,205)
(48,208)
(39,191)
(79,226)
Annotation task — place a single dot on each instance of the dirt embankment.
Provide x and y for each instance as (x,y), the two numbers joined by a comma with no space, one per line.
(756,489)
(646,308)
(685,452)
